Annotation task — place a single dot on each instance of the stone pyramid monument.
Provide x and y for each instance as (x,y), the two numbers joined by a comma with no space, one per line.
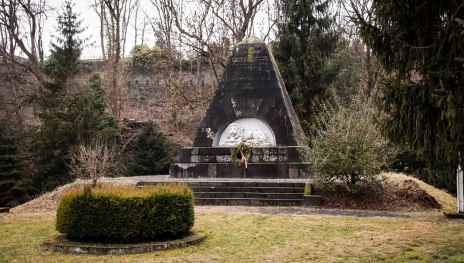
(251,105)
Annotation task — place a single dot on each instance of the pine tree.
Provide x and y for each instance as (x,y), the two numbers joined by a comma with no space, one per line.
(80,118)
(68,119)
(151,154)
(421,46)
(55,135)
(303,51)
(13,187)
(63,61)
(348,65)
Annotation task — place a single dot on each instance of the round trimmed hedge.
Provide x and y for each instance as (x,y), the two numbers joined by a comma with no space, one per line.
(123,214)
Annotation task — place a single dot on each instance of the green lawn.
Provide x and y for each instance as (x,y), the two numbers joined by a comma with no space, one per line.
(234,237)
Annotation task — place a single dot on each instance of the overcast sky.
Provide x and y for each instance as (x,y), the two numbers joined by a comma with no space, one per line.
(90,21)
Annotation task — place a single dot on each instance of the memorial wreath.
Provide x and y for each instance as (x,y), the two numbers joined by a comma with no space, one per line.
(237,151)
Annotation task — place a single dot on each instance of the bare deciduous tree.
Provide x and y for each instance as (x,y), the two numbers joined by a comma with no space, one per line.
(21,52)
(99,8)
(208,27)
(372,67)
(93,162)
(139,22)
(115,17)
(21,22)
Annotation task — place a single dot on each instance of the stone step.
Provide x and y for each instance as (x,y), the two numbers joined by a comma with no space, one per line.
(248,195)
(247,189)
(243,192)
(248,202)
(237,183)
(246,184)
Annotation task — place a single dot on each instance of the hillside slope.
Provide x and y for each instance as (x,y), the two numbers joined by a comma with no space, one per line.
(397,192)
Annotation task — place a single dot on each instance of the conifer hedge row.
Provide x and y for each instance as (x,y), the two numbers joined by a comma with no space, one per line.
(116,214)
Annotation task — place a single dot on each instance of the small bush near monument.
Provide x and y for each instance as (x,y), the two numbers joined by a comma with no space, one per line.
(122,214)
(352,150)
(151,153)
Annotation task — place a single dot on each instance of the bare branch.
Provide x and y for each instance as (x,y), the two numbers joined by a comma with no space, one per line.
(93,162)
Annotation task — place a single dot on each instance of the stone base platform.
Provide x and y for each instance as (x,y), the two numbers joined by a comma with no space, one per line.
(228,170)
(264,163)
(59,243)
(244,192)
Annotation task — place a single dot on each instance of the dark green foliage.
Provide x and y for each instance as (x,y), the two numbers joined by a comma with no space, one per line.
(408,162)
(349,66)
(421,45)
(126,215)
(64,119)
(303,51)
(145,58)
(13,186)
(78,119)
(63,60)
(151,154)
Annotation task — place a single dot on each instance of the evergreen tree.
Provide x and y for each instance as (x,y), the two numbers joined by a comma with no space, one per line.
(68,119)
(421,45)
(56,135)
(13,187)
(63,61)
(151,154)
(303,51)
(349,68)
(79,119)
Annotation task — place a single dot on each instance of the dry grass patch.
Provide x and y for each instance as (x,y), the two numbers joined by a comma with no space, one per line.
(48,202)
(447,201)
(236,234)
(238,237)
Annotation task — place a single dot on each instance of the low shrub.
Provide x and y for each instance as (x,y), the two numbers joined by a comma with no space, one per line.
(151,153)
(308,189)
(122,214)
(351,150)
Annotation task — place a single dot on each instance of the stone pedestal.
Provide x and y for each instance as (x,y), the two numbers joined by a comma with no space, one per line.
(265,162)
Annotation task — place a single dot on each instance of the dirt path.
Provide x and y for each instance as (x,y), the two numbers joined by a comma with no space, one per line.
(299,211)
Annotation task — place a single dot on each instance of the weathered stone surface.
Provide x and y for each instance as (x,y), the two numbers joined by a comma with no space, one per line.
(251,88)
(243,192)
(258,155)
(59,243)
(251,105)
(228,170)
(312,200)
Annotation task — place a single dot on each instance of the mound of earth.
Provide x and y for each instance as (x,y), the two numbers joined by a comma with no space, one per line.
(398,193)
(389,196)
(48,202)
